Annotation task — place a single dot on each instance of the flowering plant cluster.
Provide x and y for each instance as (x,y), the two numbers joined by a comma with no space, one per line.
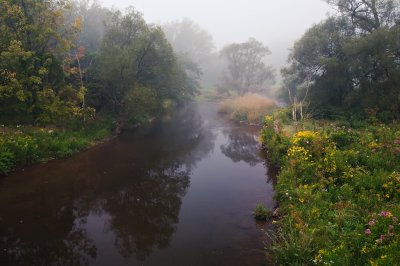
(339,194)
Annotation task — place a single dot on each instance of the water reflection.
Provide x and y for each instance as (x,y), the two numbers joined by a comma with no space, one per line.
(242,146)
(55,240)
(144,215)
(135,183)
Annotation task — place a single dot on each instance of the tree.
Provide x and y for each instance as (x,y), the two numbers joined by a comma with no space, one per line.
(94,21)
(318,67)
(246,69)
(187,38)
(136,72)
(36,40)
(369,15)
(349,61)
(194,48)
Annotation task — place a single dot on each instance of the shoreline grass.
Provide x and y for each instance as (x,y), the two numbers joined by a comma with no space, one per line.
(25,145)
(249,108)
(338,192)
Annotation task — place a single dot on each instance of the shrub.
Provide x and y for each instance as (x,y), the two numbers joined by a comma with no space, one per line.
(6,161)
(261,212)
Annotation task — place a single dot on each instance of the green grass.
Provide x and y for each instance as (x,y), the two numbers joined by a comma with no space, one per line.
(261,213)
(21,146)
(338,190)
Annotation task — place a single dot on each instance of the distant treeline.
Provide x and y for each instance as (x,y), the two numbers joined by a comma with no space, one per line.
(64,61)
(349,61)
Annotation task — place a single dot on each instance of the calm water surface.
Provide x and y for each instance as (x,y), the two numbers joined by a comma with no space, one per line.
(179,192)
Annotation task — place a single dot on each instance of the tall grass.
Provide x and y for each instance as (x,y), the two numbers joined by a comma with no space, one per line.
(250,108)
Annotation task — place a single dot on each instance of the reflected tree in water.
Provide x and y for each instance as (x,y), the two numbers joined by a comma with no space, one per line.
(144,214)
(57,239)
(45,223)
(242,146)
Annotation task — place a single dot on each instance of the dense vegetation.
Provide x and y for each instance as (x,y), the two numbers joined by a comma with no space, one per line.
(349,61)
(338,191)
(66,65)
(24,145)
(338,143)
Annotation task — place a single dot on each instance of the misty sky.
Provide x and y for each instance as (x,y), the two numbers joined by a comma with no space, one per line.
(277,23)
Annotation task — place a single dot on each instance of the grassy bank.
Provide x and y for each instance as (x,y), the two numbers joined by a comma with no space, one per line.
(250,108)
(338,192)
(22,145)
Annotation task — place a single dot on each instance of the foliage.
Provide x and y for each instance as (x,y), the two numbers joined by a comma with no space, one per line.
(247,71)
(135,61)
(34,52)
(250,108)
(261,212)
(349,61)
(62,62)
(94,20)
(23,145)
(368,15)
(338,191)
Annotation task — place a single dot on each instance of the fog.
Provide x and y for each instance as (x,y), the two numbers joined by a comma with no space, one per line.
(278,24)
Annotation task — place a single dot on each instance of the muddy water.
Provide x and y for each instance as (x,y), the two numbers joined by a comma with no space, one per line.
(178,192)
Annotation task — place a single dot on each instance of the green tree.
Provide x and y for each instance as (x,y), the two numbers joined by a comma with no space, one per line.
(368,15)
(349,61)
(136,65)
(246,70)
(35,42)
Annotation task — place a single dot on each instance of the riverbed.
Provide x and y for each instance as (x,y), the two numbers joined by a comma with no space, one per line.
(176,192)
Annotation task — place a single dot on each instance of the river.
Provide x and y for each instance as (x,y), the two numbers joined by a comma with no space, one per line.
(176,192)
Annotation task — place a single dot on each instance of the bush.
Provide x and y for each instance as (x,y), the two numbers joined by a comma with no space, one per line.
(261,212)
(6,161)
(274,143)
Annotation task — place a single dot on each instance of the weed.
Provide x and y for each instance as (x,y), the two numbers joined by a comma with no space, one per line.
(261,212)
(338,192)
(250,108)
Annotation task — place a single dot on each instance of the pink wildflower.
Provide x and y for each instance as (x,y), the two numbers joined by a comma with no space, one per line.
(372,222)
(394,218)
(386,214)
(367,232)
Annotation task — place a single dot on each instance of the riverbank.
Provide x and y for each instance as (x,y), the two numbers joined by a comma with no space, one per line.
(25,145)
(338,192)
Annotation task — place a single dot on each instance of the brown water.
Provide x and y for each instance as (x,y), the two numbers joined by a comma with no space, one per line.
(179,192)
